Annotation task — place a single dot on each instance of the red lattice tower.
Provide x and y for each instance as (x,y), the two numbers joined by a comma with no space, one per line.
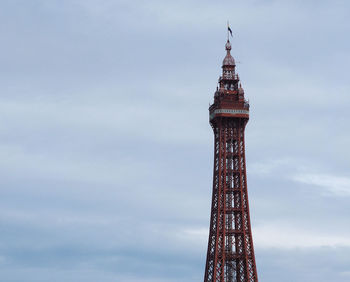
(230,255)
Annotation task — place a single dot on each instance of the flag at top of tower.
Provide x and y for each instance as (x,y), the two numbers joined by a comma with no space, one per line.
(229,29)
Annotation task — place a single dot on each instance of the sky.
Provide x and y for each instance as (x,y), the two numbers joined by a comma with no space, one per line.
(106,152)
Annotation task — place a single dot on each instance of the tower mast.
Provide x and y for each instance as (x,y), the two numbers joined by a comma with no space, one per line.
(230,255)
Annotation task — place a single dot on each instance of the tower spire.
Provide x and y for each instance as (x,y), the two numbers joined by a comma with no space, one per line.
(228,60)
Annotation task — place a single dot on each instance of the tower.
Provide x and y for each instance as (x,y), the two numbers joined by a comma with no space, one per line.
(230,256)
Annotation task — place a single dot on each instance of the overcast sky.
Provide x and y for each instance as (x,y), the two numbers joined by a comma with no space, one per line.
(106,152)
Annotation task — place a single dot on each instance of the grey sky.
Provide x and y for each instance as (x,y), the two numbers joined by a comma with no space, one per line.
(106,151)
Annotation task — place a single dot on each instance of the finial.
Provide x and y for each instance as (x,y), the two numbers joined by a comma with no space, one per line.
(228,60)
(228,46)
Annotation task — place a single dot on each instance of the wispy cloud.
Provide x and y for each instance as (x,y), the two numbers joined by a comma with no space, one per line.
(282,236)
(279,235)
(331,185)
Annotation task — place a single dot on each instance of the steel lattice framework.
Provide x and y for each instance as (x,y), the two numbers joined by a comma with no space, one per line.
(230,256)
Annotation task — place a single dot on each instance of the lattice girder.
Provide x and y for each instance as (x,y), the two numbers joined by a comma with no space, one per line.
(230,250)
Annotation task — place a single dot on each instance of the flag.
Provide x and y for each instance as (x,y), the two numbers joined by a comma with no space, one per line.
(230,30)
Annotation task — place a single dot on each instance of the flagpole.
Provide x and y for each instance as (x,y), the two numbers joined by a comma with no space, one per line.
(228,36)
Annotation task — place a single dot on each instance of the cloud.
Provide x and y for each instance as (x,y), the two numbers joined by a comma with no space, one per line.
(282,236)
(303,172)
(106,153)
(279,235)
(29,165)
(332,185)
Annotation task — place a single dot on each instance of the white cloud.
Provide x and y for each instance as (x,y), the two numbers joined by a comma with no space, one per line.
(332,185)
(282,236)
(194,236)
(275,235)
(303,172)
